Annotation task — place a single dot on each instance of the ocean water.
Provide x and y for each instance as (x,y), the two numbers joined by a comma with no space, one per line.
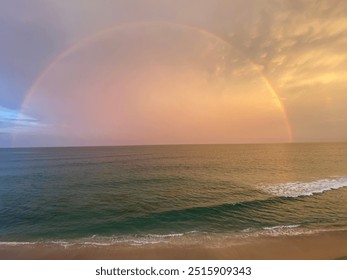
(151,194)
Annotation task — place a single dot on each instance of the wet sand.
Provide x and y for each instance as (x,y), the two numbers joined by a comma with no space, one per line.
(324,245)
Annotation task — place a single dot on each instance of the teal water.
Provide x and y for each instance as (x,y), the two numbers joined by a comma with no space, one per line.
(123,193)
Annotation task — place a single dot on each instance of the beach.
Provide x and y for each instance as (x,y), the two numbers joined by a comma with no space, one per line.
(318,246)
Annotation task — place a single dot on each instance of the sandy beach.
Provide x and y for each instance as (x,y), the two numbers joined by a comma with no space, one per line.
(323,245)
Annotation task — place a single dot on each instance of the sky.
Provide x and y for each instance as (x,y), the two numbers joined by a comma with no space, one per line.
(126,72)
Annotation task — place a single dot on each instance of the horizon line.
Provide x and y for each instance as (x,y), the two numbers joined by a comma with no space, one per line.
(181,144)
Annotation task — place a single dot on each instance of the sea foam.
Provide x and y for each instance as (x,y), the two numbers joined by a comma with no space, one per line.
(296,189)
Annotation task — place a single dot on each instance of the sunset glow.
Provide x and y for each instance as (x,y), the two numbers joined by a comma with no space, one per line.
(163,72)
(156,83)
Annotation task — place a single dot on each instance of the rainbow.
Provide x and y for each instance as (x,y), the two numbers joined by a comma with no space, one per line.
(92,38)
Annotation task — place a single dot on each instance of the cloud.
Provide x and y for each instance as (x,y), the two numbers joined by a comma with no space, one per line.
(12,121)
(301,48)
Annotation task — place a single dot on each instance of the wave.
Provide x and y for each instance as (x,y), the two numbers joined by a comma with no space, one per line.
(281,227)
(297,189)
(165,235)
(237,216)
(274,230)
(216,240)
(16,243)
(95,240)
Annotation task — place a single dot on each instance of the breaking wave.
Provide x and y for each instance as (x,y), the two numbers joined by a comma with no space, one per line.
(296,189)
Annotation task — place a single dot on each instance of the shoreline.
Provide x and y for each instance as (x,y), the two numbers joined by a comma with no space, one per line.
(325,245)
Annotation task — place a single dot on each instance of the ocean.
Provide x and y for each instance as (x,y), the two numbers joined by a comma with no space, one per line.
(180,193)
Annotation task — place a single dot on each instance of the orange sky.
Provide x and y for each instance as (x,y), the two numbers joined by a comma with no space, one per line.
(156,83)
(172,72)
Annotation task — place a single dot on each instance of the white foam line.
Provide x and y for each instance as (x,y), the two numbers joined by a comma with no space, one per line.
(18,243)
(165,235)
(296,189)
(281,227)
(214,240)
